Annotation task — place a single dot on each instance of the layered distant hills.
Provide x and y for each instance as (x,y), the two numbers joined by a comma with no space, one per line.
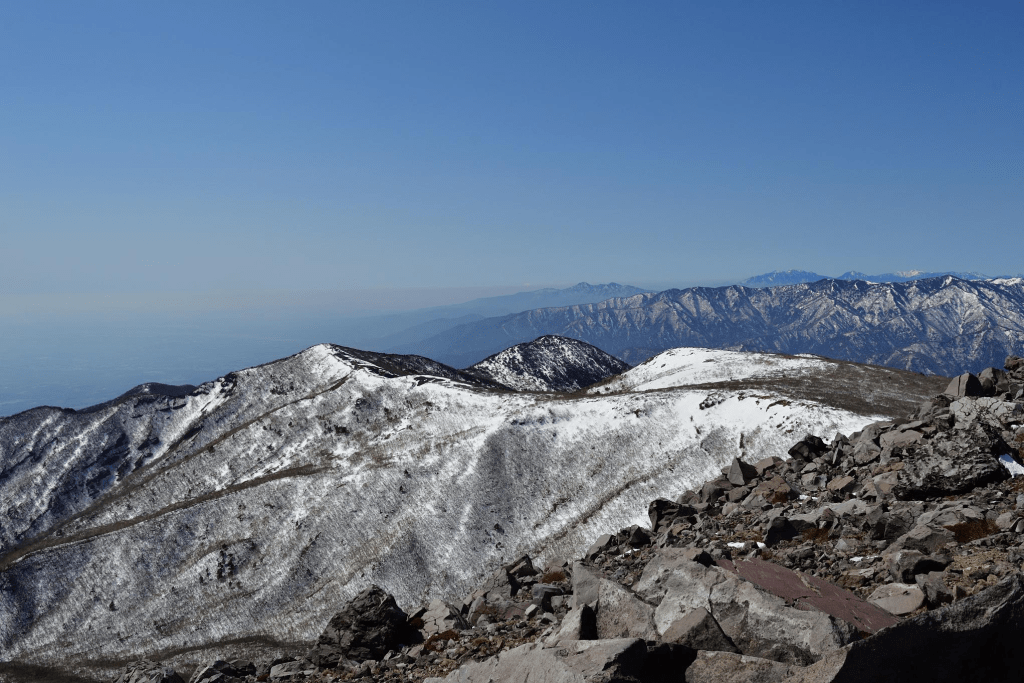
(941,325)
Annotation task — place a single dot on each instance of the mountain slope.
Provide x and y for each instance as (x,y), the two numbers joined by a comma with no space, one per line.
(248,510)
(549,363)
(942,326)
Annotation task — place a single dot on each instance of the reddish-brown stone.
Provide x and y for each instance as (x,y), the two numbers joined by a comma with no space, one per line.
(803,589)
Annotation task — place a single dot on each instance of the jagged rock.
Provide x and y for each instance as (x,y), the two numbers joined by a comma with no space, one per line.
(923,538)
(841,484)
(579,624)
(663,512)
(710,492)
(541,594)
(936,592)
(808,448)
(727,667)
(638,537)
(441,617)
(759,622)
(966,384)
(778,531)
(904,565)
(975,639)
(586,585)
(740,473)
(897,598)
(147,671)
(993,381)
(700,631)
(953,467)
(219,671)
(597,661)
(291,671)
(521,568)
(620,614)
(370,625)
(765,464)
(603,542)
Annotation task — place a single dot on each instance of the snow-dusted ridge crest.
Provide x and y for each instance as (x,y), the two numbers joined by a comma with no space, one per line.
(549,363)
(250,508)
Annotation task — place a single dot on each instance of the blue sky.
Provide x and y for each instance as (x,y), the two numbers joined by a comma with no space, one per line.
(258,147)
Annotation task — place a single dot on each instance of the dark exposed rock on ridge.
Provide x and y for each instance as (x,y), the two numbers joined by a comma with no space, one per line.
(879,556)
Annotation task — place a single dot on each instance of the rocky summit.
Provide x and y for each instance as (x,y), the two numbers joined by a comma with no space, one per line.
(893,553)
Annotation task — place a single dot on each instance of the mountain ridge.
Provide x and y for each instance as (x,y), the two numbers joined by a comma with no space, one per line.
(249,507)
(941,326)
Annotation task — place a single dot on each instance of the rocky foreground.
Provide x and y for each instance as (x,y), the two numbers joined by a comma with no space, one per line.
(891,554)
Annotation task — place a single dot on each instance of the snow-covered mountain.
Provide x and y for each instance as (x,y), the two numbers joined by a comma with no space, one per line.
(796,277)
(243,513)
(943,326)
(549,363)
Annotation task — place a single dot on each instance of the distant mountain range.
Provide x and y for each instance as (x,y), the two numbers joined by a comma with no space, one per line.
(388,331)
(796,277)
(942,325)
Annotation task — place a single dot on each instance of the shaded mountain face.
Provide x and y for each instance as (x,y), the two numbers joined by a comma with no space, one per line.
(942,326)
(549,363)
(247,511)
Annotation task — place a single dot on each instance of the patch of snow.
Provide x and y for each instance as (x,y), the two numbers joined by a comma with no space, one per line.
(1012,466)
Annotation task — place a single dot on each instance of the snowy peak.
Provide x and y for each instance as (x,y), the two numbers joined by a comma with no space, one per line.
(549,363)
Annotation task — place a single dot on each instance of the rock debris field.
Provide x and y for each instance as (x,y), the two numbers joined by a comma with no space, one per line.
(890,554)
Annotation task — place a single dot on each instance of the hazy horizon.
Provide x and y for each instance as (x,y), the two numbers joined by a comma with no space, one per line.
(188,188)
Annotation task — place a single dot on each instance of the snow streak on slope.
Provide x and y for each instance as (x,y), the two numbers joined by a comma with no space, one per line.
(549,363)
(272,495)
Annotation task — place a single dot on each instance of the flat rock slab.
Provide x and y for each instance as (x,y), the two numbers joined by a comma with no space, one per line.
(587,661)
(799,588)
(897,598)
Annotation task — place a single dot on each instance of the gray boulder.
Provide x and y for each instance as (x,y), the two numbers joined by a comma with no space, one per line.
(624,660)
(779,617)
(897,598)
(441,617)
(966,384)
(370,625)
(579,624)
(295,670)
(808,448)
(740,473)
(700,631)
(219,671)
(663,512)
(975,639)
(147,671)
(620,614)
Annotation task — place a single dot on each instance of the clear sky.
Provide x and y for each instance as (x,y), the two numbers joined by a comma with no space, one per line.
(264,146)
